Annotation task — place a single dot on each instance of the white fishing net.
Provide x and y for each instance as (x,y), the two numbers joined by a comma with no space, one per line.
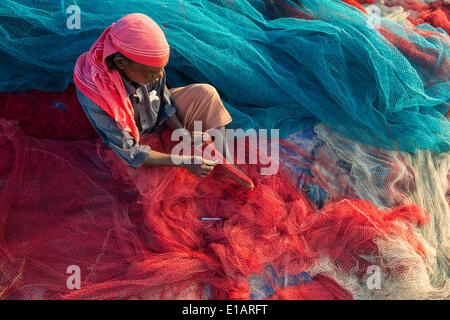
(391,178)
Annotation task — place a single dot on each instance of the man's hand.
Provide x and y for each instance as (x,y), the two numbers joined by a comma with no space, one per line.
(201,169)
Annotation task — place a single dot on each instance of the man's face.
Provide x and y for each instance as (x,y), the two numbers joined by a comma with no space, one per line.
(138,72)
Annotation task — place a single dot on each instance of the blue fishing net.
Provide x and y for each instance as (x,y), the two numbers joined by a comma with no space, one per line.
(386,86)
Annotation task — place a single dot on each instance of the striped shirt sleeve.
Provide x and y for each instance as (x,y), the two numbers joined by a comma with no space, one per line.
(122,142)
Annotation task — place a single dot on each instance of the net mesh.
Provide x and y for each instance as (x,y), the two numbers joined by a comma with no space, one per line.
(136,233)
(390,82)
(364,162)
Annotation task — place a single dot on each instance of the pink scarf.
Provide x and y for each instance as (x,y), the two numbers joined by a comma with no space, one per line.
(137,37)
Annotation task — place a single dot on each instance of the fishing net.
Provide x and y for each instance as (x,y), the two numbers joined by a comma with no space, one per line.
(389,178)
(51,115)
(362,191)
(137,233)
(435,13)
(377,79)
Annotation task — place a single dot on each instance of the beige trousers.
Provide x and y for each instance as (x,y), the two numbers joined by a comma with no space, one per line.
(201,102)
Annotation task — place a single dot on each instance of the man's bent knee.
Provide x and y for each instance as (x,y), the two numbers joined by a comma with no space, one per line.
(205,89)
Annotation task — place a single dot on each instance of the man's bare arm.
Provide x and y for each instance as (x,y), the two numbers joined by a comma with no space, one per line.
(159,159)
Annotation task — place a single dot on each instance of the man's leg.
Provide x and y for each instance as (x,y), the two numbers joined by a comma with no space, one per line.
(201,102)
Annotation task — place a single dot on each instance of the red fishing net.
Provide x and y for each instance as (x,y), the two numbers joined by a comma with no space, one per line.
(312,230)
(137,233)
(55,115)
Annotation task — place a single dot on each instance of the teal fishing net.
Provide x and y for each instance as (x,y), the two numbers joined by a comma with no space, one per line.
(320,61)
(339,205)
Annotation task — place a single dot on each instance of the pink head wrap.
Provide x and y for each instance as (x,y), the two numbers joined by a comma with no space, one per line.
(137,37)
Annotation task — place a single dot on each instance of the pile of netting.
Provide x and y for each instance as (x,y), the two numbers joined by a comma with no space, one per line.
(388,81)
(415,12)
(359,208)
